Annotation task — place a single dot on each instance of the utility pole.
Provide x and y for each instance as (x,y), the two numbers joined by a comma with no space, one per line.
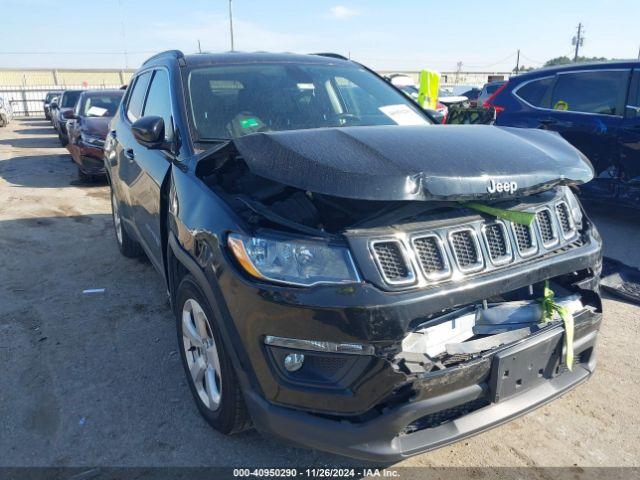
(518,62)
(578,41)
(458,69)
(638,53)
(231,24)
(199,48)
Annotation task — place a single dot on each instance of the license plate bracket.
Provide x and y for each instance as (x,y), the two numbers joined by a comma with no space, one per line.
(524,366)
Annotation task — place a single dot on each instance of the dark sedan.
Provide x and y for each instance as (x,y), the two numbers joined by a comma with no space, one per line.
(66,102)
(87,129)
(47,103)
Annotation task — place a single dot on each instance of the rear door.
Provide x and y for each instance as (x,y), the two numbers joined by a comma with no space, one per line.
(153,166)
(126,148)
(629,145)
(587,108)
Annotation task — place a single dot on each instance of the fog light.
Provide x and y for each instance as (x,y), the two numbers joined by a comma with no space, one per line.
(293,362)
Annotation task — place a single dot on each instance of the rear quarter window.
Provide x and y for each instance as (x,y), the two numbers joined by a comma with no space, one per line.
(536,92)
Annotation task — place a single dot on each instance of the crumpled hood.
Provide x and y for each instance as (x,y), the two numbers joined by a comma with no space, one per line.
(97,126)
(454,162)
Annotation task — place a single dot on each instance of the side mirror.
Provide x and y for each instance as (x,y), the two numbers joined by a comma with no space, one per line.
(53,104)
(149,132)
(69,115)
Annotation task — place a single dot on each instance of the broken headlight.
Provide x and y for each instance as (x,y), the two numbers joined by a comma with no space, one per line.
(293,262)
(574,206)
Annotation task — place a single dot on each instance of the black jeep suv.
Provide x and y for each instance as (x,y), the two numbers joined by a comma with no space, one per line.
(345,274)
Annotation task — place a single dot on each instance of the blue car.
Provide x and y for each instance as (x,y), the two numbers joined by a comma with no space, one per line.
(595,107)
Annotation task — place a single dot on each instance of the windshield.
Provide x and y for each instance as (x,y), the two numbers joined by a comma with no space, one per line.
(50,96)
(101,105)
(69,99)
(235,100)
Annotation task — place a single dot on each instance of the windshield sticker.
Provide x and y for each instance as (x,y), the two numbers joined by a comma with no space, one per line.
(96,111)
(248,122)
(403,115)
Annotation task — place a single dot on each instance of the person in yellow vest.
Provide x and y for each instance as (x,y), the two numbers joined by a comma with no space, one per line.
(429,82)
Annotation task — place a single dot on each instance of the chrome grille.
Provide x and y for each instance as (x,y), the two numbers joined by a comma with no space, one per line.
(564,218)
(524,239)
(495,235)
(446,251)
(431,256)
(547,227)
(466,249)
(392,261)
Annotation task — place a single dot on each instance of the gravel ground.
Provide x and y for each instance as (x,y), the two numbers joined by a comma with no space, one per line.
(96,379)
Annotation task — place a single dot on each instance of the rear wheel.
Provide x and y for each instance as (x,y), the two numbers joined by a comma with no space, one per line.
(84,177)
(127,245)
(63,140)
(209,371)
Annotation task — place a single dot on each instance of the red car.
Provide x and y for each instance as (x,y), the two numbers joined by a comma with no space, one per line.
(87,126)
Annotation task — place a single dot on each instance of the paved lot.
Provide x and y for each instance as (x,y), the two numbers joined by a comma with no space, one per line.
(95,379)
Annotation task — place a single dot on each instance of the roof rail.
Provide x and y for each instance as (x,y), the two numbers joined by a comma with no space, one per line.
(177,54)
(331,55)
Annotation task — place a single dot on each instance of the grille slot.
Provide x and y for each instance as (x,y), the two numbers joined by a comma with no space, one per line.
(546,226)
(466,249)
(524,239)
(498,243)
(392,262)
(431,256)
(564,219)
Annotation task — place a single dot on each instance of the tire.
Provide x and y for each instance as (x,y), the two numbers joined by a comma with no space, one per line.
(222,407)
(127,245)
(3,122)
(84,177)
(62,140)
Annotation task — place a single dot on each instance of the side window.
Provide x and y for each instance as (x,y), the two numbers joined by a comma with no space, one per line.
(633,104)
(136,99)
(591,92)
(159,101)
(535,92)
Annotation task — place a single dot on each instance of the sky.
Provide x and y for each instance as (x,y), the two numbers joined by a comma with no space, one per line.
(385,35)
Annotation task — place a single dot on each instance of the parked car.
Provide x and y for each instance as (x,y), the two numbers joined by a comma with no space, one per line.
(47,103)
(596,107)
(472,94)
(66,102)
(87,128)
(447,97)
(488,89)
(327,283)
(6,112)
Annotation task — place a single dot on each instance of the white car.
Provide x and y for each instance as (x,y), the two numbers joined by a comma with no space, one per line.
(6,112)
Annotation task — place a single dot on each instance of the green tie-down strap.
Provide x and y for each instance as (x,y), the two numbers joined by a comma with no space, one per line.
(523,218)
(549,309)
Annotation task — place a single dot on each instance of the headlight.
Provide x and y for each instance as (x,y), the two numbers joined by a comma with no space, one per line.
(294,262)
(574,206)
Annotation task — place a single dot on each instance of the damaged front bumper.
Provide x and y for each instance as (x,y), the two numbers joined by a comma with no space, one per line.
(450,407)
(365,406)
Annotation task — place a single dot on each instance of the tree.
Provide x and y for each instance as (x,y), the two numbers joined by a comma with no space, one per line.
(564,60)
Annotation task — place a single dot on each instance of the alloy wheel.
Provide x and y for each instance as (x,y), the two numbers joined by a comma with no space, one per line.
(201,354)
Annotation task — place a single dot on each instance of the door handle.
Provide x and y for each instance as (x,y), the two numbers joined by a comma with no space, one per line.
(130,155)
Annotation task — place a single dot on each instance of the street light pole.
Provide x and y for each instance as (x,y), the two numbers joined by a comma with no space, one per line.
(231,24)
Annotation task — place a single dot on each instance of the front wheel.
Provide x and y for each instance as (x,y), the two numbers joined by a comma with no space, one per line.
(209,371)
(127,245)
